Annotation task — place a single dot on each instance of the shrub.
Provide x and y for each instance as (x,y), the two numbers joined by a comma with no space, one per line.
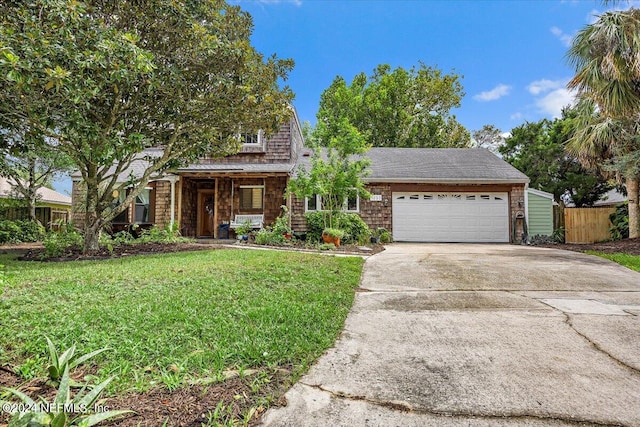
(355,229)
(315,225)
(327,247)
(156,234)
(267,236)
(20,231)
(385,236)
(558,235)
(620,220)
(58,243)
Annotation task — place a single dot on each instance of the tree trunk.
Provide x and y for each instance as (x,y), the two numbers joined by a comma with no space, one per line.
(32,195)
(634,211)
(92,223)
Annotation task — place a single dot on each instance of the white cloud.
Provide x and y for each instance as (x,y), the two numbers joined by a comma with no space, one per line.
(493,94)
(562,36)
(516,116)
(553,102)
(544,85)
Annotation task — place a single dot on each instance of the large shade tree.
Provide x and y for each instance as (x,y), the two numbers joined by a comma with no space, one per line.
(606,55)
(105,80)
(399,107)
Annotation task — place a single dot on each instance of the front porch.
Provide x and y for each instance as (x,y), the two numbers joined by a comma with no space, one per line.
(208,203)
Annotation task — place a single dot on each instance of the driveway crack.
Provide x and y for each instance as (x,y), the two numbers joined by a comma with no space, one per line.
(404,407)
(596,346)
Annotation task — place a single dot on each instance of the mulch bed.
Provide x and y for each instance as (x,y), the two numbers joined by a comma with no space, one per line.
(189,406)
(35,251)
(626,246)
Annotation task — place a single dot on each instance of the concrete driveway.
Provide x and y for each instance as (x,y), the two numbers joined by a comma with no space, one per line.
(480,335)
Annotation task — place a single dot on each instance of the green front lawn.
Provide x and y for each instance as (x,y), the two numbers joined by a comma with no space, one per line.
(629,261)
(197,313)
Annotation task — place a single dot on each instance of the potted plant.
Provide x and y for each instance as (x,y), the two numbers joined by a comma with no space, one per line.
(242,232)
(332,235)
(375,235)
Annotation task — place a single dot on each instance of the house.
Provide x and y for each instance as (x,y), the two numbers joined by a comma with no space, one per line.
(439,195)
(205,197)
(610,198)
(51,206)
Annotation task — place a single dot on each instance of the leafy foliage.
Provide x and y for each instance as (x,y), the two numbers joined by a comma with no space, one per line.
(103,81)
(489,137)
(606,56)
(59,243)
(537,150)
(355,229)
(400,107)
(620,220)
(315,224)
(64,410)
(61,363)
(20,231)
(337,168)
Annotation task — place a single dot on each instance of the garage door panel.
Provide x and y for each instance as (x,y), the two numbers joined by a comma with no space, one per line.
(451,217)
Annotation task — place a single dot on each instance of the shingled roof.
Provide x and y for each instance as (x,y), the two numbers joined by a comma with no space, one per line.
(438,165)
(45,195)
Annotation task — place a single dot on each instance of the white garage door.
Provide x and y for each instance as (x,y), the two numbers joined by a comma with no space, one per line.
(451,217)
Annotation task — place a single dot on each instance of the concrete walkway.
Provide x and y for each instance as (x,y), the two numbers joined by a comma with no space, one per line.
(480,335)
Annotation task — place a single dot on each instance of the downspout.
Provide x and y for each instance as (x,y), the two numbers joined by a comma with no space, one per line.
(526,211)
(232,186)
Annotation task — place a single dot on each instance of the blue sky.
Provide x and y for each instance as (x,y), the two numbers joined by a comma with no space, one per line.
(511,54)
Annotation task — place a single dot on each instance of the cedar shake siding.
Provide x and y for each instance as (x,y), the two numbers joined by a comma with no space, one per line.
(379,213)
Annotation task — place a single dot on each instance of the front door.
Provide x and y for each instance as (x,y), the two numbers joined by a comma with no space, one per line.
(206,213)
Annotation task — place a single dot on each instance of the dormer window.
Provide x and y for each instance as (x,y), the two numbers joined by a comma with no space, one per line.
(251,139)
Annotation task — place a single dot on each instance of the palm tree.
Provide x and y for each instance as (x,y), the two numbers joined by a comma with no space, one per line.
(606,55)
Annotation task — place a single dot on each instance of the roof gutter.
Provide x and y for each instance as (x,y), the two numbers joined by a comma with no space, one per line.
(447,181)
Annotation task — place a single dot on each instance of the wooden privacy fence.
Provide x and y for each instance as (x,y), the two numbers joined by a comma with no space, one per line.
(587,225)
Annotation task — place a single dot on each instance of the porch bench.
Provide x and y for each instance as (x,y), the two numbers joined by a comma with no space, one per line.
(256,221)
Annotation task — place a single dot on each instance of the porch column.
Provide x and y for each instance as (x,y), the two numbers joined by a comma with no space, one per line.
(173,179)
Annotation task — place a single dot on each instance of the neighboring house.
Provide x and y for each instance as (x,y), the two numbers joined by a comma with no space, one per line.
(437,195)
(539,213)
(445,195)
(50,207)
(611,198)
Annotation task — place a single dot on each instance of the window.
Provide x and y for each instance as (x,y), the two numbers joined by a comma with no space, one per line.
(251,197)
(251,138)
(143,207)
(122,217)
(352,204)
(314,203)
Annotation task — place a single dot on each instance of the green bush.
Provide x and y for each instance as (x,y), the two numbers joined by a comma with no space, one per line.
(156,234)
(355,229)
(558,235)
(267,236)
(20,231)
(315,225)
(620,220)
(58,243)
(385,236)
